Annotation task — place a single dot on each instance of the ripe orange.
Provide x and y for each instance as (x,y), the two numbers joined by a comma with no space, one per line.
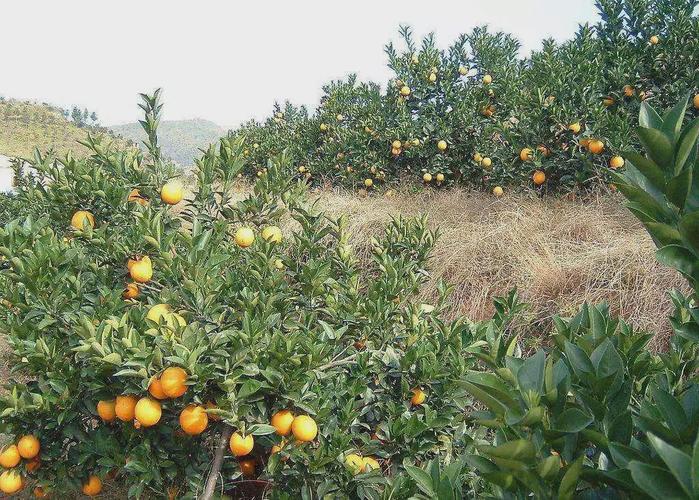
(11,482)
(172,193)
(125,408)
(427,177)
(131,291)
(155,388)
(368,183)
(40,492)
(433,77)
(608,101)
(395,151)
(695,101)
(247,467)
(574,127)
(539,177)
(616,162)
(241,446)
(140,269)
(81,218)
(654,40)
(323,127)
(442,145)
(486,163)
(282,421)
(272,233)
(396,144)
(405,91)
(487,79)
(543,150)
(194,420)
(629,91)
(10,456)
(28,446)
(354,463)
(596,146)
(477,157)
(525,154)
(497,191)
(304,428)
(173,381)
(148,412)
(93,486)
(107,410)
(244,237)
(440,177)
(419,397)
(463,71)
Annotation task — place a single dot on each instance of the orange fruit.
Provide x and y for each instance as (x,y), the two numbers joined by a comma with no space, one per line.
(440,178)
(497,191)
(140,269)
(487,79)
(405,91)
(442,145)
(131,291)
(93,486)
(247,467)
(654,40)
(10,457)
(172,193)
(596,146)
(427,177)
(28,446)
(272,233)
(81,218)
(282,421)
(368,183)
(148,412)
(574,127)
(539,177)
(241,446)
(525,154)
(616,162)
(125,408)
(629,91)
(486,163)
(244,237)
(173,381)
(155,388)
(11,482)
(304,428)
(695,101)
(543,150)
(370,463)
(107,410)
(194,420)
(608,101)
(418,398)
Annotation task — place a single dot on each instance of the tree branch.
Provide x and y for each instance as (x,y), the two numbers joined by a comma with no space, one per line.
(218,461)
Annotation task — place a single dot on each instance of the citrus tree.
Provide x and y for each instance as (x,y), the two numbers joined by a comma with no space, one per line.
(477,114)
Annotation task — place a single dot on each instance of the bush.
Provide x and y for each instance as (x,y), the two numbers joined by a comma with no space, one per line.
(487,106)
(150,334)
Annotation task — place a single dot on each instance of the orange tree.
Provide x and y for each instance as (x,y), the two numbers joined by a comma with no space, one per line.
(149,334)
(477,114)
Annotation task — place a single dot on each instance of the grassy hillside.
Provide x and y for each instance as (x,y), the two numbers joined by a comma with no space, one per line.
(26,125)
(180,139)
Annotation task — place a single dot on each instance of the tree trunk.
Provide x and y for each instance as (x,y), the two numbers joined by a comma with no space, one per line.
(218,461)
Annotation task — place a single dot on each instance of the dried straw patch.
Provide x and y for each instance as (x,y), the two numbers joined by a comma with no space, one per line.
(558,253)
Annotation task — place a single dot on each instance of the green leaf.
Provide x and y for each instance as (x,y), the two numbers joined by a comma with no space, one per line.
(679,258)
(687,144)
(678,462)
(572,420)
(530,375)
(569,482)
(658,147)
(422,479)
(648,168)
(689,230)
(672,119)
(678,188)
(663,234)
(622,455)
(648,117)
(518,449)
(656,482)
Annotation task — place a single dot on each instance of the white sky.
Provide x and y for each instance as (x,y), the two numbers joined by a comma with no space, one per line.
(228,61)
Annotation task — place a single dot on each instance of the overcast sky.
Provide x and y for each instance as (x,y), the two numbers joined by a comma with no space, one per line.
(228,61)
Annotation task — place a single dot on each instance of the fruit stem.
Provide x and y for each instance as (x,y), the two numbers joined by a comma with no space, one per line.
(218,461)
(345,361)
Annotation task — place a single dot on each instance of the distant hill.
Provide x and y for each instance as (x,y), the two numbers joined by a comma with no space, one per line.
(180,140)
(26,125)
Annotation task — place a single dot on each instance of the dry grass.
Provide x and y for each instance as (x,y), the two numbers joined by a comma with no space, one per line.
(558,253)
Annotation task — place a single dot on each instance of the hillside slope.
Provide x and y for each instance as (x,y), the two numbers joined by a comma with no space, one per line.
(180,139)
(26,125)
